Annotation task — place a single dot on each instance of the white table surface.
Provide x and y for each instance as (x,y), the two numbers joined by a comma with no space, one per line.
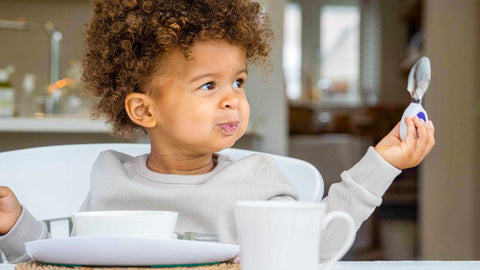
(381,265)
(408,265)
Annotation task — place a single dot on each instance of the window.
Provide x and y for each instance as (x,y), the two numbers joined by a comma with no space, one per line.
(292,50)
(331,52)
(339,54)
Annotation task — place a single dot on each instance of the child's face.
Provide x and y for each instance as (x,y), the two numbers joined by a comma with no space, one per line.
(200,104)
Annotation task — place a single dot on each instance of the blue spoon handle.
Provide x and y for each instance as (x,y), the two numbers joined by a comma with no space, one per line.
(414,109)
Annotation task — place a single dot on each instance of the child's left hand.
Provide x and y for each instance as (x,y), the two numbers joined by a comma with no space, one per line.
(412,151)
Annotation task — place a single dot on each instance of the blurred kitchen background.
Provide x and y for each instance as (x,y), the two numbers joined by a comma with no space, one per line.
(342,88)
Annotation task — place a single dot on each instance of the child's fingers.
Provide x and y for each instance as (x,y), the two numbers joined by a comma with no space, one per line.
(421,128)
(431,127)
(431,141)
(411,139)
(396,130)
(4,191)
(397,127)
(423,138)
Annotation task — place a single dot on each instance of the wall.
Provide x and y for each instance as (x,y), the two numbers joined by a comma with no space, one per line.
(450,192)
(29,50)
(393,37)
(265,89)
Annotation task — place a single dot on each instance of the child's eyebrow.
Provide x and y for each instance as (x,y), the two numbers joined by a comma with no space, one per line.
(212,73)
(243,70)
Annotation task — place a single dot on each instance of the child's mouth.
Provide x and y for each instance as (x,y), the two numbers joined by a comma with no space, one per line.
(229,128)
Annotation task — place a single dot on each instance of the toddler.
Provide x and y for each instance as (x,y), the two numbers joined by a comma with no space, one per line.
(176,69)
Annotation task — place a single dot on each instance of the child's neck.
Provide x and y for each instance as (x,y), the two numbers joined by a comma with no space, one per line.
(181,165)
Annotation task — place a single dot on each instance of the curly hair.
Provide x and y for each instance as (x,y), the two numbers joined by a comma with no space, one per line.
(126,39)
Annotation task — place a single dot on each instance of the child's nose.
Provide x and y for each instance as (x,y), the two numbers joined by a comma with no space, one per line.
(230,101)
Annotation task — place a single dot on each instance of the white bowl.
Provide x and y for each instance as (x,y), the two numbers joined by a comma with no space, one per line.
(149,224)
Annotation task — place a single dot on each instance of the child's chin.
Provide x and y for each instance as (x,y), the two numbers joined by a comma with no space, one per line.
(225,145)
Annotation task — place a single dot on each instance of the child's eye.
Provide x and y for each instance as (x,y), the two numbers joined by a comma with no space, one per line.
(238,83)
(208,86)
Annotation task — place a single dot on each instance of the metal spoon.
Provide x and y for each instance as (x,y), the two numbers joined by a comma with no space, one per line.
(207,237)
(418,81)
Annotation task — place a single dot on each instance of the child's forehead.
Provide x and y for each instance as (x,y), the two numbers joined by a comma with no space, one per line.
(206,56)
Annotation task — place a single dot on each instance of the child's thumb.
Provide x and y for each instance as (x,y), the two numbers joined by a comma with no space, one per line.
(5,191)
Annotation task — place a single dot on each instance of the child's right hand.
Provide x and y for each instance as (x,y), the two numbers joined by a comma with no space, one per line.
(10,210)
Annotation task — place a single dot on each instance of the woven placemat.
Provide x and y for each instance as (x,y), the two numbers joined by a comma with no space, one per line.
(40,266)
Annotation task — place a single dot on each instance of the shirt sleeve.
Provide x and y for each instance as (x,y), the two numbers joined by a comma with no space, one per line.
(358,194)
(26,229)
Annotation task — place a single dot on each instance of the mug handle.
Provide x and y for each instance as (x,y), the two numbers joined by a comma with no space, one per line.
(350,235)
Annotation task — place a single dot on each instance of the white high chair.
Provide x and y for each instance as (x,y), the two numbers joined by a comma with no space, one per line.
(53,181)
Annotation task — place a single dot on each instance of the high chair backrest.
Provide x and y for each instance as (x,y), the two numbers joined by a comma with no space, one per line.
(53,181)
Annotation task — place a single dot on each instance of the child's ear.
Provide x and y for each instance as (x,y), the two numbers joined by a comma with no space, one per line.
(140,109)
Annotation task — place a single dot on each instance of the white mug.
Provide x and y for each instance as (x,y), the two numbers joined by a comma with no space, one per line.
(279,235)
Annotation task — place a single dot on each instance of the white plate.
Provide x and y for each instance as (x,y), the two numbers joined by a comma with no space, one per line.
(125,251)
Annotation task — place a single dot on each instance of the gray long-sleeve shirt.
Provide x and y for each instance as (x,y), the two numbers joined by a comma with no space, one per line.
(205,202)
